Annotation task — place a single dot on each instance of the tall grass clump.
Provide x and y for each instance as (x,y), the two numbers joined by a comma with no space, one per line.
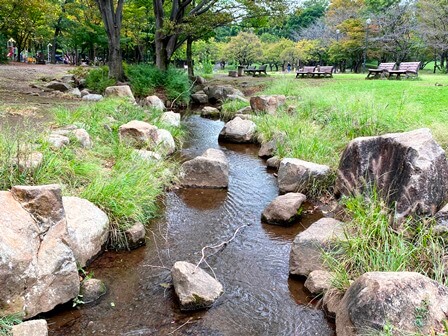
(7,322)
(230,107)
(371,244)
(98,79)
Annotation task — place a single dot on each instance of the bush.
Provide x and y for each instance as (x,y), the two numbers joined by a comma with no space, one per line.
(3,50)
(98,79)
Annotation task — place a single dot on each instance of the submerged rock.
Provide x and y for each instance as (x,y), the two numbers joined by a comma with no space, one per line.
(284,209)
(307,247)
(409,302)
(239,131)
(296,175)
(410,171)
(210,170)
(135,236)
(318,282)
(195,288)
(91,290)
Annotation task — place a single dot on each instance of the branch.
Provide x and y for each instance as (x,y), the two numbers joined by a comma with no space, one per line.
(217,247)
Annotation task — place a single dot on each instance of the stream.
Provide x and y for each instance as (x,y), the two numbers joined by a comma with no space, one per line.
(259,296)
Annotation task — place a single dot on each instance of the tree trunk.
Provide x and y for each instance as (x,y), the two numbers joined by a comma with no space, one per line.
(189,56)
(112,19)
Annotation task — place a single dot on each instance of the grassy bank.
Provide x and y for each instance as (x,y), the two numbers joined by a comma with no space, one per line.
(109,174)
(331,112)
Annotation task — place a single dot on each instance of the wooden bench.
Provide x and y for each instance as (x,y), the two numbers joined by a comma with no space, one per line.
(324,71)
(405,68)
(382,70)
(306,70)
(260,70)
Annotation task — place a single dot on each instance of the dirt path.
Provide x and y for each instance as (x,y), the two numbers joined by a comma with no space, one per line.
(21,99)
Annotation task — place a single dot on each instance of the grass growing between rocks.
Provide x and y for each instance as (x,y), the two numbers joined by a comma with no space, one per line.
(109,174)
(7,322)
(331,112)
(370,244)
(230,107)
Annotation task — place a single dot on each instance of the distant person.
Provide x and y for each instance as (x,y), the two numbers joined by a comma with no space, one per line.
(289,67)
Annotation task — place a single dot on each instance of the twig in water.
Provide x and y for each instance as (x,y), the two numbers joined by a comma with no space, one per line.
(217,247)
(189,320)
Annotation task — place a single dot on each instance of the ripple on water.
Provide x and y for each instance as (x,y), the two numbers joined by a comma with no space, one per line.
(259,298)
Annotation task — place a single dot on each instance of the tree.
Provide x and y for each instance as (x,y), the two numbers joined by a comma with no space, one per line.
(272,52)
(244,48)
(112,18)
(433,26)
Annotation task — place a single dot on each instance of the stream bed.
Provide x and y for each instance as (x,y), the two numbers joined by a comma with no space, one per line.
(259,296)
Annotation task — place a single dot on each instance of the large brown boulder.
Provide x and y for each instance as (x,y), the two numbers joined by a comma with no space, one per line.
(307,247)
(296,175)
(138,133)
(239,131)
(219,93)
(284,209)
(87,228)
(122,91)
(410,170)
(37,268)
(210,170)
(267,104)
(409,302)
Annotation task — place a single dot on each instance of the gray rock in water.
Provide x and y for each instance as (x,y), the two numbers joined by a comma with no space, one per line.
(31,328)
(318,282)
(307,247)
(170,118)
(210,112)
(165,142)
(195,288)
(136,236)
(92,289)
(273,162)
(87,228)
(408,301)
(267,149)
(239,131)
(267,104)
(283,210)
(296,175)
(58,86)
(154,102)
(92,97)
(210,170)
(410,171)
(122,91)
(138,133)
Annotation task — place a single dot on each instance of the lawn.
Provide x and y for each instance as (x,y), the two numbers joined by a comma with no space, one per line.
(331,112)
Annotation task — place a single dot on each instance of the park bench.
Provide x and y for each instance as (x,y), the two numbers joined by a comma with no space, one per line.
(261,69)
(306,70)
(405,68)
(250,69)
(324,71)
(382,70)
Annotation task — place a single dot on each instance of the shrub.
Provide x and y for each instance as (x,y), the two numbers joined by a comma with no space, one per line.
(98,79)
(3,50)
(144,78)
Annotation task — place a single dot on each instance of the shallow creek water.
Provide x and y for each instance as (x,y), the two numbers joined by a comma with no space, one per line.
(259,298)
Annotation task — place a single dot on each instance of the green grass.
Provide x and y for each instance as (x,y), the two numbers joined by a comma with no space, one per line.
(7,322)
(331,112)
(128,189)
(230,107)
(371,244)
